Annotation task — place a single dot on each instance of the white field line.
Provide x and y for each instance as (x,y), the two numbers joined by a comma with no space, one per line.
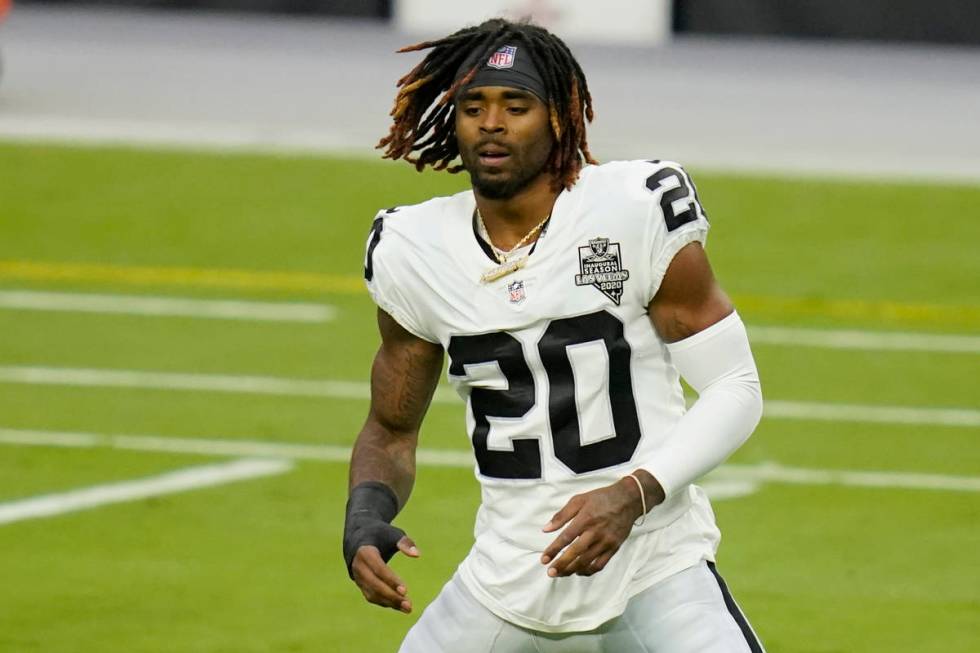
(729,474)
(333,389)
(216,447)
(166,306)
(862,413)
(864,340)
(177,381)
(196,136)
(182,480)
(775,473)
(256,137)
(716,488)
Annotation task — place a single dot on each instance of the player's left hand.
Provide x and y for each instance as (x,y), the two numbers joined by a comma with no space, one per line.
(598,523)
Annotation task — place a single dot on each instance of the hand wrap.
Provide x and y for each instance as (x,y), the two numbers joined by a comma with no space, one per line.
(371,507)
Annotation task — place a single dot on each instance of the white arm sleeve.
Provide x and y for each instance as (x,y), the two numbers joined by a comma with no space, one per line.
(718,364)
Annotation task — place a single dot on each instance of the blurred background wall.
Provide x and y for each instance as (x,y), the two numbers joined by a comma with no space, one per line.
(937,21)
(198,72)
(366,8)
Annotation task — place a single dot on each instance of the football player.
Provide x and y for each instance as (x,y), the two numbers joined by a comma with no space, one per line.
(571,298)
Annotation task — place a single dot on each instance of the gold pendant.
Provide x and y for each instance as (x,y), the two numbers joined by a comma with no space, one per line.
(503,270)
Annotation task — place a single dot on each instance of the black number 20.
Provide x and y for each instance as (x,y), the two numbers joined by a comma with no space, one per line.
(518,399)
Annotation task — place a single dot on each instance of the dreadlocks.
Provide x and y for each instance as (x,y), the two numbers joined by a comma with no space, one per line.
(424,122)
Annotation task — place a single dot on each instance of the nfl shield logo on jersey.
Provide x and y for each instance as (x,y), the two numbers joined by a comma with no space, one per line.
(515,292)
(503,58)
(601,266)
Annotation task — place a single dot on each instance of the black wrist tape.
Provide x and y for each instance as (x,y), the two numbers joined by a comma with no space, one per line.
(371,507)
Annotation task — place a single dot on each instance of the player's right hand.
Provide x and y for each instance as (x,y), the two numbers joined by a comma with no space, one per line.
(377,581)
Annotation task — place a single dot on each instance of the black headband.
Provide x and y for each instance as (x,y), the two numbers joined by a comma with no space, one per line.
(510,66)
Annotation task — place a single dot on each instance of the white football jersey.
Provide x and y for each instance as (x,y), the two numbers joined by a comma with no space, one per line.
(567,385)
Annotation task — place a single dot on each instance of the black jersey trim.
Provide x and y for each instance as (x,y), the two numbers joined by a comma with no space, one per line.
(376,228)
(743,624)
(484,245)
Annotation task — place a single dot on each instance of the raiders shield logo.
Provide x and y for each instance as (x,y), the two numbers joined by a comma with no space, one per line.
(601,266)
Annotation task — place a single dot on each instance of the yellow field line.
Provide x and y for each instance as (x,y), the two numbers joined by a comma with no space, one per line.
(884,312)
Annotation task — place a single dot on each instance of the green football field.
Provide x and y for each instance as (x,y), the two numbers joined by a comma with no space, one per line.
(184,346)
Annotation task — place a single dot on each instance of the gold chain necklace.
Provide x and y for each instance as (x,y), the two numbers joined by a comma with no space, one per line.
(507,266)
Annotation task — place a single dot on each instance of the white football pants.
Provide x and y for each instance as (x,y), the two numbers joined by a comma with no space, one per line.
(689,612)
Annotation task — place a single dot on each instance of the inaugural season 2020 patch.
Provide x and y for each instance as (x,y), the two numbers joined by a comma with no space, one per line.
(602,266)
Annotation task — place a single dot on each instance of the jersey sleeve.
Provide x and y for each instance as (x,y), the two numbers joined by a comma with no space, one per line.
(675,215)
(388,274)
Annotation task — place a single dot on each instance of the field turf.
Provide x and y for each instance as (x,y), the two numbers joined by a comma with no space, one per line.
(819,564)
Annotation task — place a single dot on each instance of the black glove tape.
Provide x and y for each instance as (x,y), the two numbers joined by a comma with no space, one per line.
(371,507)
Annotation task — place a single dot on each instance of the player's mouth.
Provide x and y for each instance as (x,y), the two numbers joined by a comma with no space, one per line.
(493,155)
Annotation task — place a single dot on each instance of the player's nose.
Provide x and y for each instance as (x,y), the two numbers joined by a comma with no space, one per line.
(492,122)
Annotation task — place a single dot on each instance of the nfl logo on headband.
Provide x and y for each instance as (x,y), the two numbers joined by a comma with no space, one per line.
(503,58)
